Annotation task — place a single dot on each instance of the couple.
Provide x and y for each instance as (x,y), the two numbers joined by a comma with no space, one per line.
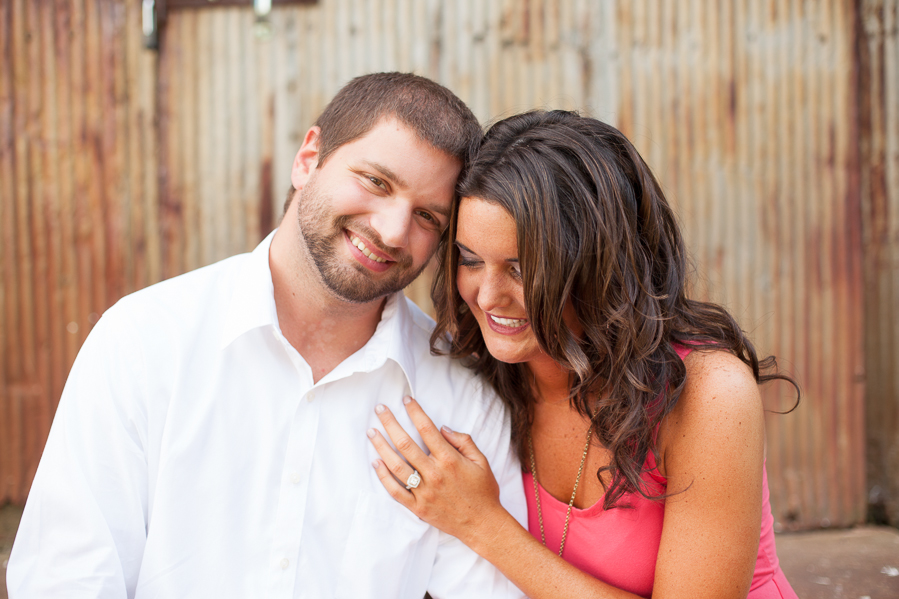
(211,440)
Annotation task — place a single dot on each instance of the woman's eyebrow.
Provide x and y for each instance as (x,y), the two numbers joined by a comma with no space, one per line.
(462,247)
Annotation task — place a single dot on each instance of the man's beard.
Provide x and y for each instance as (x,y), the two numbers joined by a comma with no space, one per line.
(349,281)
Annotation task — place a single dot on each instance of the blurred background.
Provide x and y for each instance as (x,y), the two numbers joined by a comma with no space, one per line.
(773,126)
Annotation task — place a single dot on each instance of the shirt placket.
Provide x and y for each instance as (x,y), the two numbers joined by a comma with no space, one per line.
(294,491)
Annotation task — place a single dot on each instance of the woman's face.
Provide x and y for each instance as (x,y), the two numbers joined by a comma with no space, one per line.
(489,280)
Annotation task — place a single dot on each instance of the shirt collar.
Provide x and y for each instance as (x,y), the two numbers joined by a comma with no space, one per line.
(394,338)
(252,302)
(252,306)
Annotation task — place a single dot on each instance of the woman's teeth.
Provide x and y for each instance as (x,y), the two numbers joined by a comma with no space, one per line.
(509,322)
(358,243)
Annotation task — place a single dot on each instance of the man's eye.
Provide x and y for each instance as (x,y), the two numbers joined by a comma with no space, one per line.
(377,182)
(427,216)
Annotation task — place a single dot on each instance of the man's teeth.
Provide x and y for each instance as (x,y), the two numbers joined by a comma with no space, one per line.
(358,243)
(510,322)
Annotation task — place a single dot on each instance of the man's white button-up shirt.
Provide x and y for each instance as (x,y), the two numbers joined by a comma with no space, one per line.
(192,456)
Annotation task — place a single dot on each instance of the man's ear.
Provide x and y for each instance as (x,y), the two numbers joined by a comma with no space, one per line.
(307,158)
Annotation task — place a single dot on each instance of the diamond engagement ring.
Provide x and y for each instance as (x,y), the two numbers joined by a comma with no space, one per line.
(414,480)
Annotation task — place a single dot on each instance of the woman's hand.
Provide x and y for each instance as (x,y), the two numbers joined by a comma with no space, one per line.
(457,494)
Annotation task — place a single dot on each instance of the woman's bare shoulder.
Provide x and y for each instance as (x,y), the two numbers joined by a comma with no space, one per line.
(720,406)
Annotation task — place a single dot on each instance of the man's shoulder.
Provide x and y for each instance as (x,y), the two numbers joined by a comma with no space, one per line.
(181,301)
(422,326)
(440,376)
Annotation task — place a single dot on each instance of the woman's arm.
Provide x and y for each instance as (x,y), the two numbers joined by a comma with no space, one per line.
(711,445)
(712,449)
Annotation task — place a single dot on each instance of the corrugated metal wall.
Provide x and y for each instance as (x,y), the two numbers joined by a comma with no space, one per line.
(746,111)
(78,200)
(879,90)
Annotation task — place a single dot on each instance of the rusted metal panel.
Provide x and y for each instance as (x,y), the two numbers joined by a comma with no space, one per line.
(150,165)
(879,112)
(76,202)
(745,112)
(9,424)
(176,4)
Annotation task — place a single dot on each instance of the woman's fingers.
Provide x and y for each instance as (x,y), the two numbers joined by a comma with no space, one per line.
(465,445)
(397,491)
(425,427)
(443,443)
(391,462)
(405,444)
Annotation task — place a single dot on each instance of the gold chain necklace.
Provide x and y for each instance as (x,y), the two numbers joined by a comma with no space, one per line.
(573,493)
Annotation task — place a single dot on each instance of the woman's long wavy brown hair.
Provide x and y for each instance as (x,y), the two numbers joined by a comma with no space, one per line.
(594,227)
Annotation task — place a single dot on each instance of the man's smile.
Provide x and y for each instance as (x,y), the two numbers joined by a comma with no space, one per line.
(366,253)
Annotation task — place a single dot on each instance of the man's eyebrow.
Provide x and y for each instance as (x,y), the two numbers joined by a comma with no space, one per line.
(388,174)
(440,209)
(397,180)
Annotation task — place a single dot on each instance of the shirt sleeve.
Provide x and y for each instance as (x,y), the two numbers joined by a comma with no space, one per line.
(84,525)
(459,571)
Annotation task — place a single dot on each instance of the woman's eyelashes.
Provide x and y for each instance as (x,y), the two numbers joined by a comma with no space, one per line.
(471,262)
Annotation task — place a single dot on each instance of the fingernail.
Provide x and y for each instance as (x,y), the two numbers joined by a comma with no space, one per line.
(446,429)
(407,400)
(371,433)
(379,409)
(375,464)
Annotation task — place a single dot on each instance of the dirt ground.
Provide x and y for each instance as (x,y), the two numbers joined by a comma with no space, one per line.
(9,522)
(860,563)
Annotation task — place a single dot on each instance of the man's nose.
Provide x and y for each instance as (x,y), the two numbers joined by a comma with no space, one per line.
(392,222)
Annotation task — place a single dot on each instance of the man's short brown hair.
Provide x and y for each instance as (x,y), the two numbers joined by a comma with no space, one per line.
(435,113)
(432,111)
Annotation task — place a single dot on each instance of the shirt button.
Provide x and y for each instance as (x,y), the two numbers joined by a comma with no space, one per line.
(310,396)
(284,563)
(295,478)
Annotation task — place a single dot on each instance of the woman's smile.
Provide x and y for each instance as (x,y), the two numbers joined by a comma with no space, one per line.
(506,326)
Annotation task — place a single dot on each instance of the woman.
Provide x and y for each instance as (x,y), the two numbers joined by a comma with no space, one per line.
(635,410)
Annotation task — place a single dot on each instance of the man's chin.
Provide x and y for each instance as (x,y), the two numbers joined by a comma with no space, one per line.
(360,289)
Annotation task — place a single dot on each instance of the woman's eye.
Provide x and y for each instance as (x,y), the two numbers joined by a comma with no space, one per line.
(516,272)
(427,216)
(468,263)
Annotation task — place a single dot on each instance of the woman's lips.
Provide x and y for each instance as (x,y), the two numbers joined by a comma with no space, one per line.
(506,326)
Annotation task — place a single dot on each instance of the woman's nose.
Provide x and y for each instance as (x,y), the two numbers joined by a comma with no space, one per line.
(492,293)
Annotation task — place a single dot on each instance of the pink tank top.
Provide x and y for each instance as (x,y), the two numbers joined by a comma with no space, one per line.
(619,546)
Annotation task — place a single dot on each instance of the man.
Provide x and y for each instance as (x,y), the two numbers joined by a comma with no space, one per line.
(211,439)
